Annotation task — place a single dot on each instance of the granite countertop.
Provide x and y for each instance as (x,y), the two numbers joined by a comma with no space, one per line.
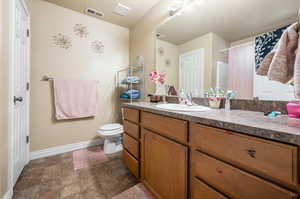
(281,128)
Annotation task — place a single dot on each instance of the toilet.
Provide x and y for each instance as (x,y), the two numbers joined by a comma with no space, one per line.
(112,136)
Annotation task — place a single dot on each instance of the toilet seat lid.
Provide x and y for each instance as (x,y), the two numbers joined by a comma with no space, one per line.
(110,133)
(111,127)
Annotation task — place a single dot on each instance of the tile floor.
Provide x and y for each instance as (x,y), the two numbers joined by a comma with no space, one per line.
(138,191)
(54,178)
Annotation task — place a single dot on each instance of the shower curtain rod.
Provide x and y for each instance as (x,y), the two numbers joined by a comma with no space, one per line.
(236,46)
(47,78)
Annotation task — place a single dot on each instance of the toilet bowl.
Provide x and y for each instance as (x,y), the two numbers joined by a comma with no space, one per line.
(112,136)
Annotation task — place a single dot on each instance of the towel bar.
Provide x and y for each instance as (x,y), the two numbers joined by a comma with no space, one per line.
(47,78)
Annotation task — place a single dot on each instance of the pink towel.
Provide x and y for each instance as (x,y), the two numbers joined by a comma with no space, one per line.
(283,63)
(75,99)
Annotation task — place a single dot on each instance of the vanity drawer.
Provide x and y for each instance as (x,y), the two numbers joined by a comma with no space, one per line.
(270,159)
(132,115)
(200,190)
(173,128)
(234,182)
(131,129)
(131,145)
(131,163)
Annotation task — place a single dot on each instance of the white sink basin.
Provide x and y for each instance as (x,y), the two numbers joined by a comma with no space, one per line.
(182,107)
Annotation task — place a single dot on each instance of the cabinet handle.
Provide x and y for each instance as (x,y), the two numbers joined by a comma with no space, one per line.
(251,152)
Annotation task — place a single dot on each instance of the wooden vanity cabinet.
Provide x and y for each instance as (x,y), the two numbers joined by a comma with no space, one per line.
(275,161)
(234,182)
(177,159)
(164,166)
(169,127)
(155,151)
(132,163)
(131,140)
(201,190)
(131,145)
(131,115)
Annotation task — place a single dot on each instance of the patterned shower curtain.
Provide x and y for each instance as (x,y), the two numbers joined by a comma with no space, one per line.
(241,70)
(265,43)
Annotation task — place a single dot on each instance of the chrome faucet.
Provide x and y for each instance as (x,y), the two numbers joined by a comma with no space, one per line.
(189,99)
(186,98)
(229,96)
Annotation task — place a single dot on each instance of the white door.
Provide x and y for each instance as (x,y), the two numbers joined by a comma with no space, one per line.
(20,113)
(191,72)
(222,75)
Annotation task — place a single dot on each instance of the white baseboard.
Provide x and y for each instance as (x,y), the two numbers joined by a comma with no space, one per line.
(63,149)
(8,194)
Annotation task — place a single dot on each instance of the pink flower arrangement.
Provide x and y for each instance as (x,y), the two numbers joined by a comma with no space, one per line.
(158,77)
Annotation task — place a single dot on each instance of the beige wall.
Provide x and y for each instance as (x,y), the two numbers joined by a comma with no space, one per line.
(218,44)
(205,42)
(211,43)
(143,39)
(78,62)
(252,38)
(171,53)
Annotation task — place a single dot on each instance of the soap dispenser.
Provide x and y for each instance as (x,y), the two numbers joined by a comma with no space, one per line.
(229,96)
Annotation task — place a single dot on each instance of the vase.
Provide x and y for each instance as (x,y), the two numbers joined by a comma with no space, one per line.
(160,89)
(214,103)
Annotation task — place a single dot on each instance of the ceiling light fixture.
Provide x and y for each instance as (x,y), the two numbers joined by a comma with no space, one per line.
(122,9)
(177,7)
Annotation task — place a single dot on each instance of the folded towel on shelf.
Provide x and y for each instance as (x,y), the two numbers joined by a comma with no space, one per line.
(133,94)
(131,80)
(282,64)
(75,99)
(124,96)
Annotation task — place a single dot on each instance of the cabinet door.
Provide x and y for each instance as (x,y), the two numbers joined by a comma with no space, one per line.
(200,190)
(164,166)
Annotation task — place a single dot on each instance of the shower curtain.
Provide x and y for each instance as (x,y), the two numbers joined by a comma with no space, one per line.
(241,63)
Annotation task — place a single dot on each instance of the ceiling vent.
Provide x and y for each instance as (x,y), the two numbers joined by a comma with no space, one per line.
(122,9)
(94,12)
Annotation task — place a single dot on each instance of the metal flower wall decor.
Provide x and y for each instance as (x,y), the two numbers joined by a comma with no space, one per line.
(98,47)
(81,30)
(62,41)
(161,51)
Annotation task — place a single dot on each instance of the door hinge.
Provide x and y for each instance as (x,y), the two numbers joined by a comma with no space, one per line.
(27,86)
(28,33)
(27,139)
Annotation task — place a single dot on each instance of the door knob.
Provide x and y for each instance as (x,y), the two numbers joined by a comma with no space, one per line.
(18,99)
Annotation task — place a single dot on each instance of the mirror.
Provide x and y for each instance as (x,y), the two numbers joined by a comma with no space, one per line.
(220,44)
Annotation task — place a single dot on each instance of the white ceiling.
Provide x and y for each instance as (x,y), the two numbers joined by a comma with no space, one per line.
(138,9)
(231,19)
